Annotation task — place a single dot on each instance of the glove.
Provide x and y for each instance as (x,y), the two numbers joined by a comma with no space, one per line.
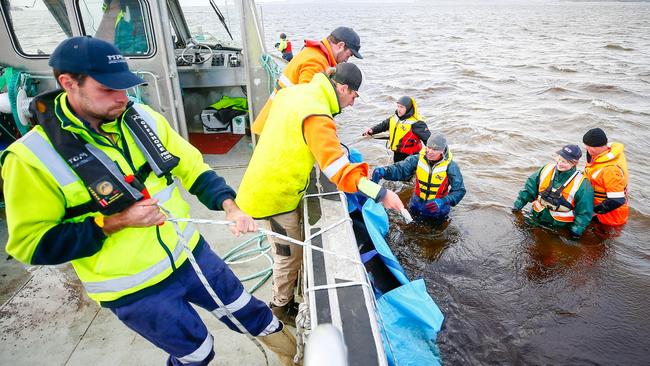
(277,44)
(377,174)
(367,132)
(518,205)
(600,209)
(436,204)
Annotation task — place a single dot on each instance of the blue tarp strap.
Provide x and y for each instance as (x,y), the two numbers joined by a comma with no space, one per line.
(367,256)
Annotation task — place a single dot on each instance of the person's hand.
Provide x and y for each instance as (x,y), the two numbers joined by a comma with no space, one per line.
(392,201)
(277,45)
(243,223)
(143,213)
(377,174)
(367,132)
(436,204)
(518,205)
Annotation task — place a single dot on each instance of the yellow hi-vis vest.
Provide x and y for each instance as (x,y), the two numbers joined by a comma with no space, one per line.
(133,258)
(278,173)
(402,139)
(570,188)
(431,181)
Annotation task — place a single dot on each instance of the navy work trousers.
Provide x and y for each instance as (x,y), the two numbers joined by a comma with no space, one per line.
(166,318)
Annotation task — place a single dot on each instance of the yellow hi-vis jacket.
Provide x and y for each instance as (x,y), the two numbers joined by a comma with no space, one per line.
(278,173)
(129,260)
(569,191)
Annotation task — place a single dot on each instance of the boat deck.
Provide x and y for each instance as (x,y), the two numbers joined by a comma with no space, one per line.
(46,318)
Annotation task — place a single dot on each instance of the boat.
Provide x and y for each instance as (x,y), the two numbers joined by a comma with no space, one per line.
(45,317)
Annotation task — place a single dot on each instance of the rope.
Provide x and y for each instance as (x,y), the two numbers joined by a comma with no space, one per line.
(272,69)
(237,254)
(204,281)
(279,236)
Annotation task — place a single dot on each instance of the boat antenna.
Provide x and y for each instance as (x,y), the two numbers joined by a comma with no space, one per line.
(221,18)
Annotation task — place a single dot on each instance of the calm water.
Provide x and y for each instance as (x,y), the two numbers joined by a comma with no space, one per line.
(510,83)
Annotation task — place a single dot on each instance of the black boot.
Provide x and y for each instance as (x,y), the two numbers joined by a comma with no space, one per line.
(286,313)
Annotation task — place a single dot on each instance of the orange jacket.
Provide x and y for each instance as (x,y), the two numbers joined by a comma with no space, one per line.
(607,173)
(320,135)
(315,57)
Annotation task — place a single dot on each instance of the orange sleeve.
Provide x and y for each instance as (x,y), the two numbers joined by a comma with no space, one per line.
(320,135)
(310,68)
(613,180)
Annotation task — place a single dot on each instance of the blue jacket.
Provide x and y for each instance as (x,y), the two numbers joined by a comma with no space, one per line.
(405,169)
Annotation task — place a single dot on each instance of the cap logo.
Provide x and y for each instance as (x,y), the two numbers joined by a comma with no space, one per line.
(113,59)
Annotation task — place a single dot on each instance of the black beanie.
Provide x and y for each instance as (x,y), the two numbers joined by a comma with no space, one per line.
(406,102)
(595,138)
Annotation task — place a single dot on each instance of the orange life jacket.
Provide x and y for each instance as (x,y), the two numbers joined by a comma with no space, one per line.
(571,186)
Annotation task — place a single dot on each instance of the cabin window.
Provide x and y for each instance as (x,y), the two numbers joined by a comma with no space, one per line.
(125,23)
(36,28)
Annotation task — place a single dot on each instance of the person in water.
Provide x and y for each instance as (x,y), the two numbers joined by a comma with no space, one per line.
(438,180)
(606,170)
(561,195)
(407,129)
(284,46)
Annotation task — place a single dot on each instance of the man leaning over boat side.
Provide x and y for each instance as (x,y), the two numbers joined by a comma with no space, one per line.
(300,130)
(87,185)
(315,57)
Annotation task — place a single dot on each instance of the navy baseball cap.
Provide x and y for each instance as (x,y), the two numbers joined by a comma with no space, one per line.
(350,38)
(571,153)
(98,59)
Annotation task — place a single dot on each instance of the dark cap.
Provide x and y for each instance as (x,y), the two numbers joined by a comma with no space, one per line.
(348,74)
(571,153)
(283,36)
(595,138)
(350,38)
(406,102)
(437,141)
(97,58)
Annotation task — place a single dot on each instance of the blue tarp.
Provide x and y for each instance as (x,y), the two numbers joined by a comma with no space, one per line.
(411,320)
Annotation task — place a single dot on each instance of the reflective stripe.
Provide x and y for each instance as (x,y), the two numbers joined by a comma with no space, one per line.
(272,96)
(127,282)
(424,166)
(610,156)
(616,194)
(545,172)
(238,304)
(285,80)
(439,169)
(576,185)
(201,353)
(166,194)
(273,327)
(50,158)
(337,165)
(561,214)
(146,117)
(593,176)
